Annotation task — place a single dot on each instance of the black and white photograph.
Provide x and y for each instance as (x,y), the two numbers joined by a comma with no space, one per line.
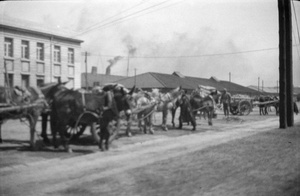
(150,97)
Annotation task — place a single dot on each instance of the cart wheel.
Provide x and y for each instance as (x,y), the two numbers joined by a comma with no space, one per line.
(245,108)
(234,110)
(75,132)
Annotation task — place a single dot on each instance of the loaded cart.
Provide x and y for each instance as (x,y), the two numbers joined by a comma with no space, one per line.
(241,105)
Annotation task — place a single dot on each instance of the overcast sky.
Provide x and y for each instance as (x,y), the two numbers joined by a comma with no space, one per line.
(195,37)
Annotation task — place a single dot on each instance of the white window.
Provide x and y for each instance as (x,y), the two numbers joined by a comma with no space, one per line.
(57,54)
(71,71)
(40,51)
(40,68)
(25,49)
(25,81)
(25,66)
(8,47)
(70,56)
(57,69)
(9,65)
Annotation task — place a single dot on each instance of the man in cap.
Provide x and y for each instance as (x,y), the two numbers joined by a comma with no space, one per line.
(226,99)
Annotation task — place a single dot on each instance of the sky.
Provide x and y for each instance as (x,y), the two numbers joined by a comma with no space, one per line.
(194,37)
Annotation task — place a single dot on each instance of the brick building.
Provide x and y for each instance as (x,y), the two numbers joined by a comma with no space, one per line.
(33,55)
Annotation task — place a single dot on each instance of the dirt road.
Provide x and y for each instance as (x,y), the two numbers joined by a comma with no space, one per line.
(240,158)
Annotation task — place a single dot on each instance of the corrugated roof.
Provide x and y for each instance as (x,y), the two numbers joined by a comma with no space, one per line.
(160,80)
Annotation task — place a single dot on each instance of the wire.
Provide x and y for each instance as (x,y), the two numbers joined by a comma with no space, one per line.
(113,16)
(123,18)
(193,56)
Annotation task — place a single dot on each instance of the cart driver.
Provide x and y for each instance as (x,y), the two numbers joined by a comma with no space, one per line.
(226,99)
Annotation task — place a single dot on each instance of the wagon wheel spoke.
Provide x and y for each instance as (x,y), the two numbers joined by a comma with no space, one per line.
(245,108)
(75,132)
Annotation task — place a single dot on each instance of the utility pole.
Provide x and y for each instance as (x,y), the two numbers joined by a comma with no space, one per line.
(128,64)
(286,116)
(134,76)
(262,85)
(229,76)
(86,77)
(258,85)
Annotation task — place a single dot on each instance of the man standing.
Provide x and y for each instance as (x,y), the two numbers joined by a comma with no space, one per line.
(226,99)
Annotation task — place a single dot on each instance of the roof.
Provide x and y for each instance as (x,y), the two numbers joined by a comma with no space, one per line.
(160,80)
(101,79)
(37,28)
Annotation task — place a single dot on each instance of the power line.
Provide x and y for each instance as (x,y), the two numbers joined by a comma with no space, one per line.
(122,19)
(194,56)
(113,16)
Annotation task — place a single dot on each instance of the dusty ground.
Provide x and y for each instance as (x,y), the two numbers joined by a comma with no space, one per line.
(247,155)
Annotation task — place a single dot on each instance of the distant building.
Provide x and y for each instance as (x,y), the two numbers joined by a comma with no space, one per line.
(90,80)
(33,55)
(167,82)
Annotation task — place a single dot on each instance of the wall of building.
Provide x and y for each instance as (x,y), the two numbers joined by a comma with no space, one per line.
(33,73)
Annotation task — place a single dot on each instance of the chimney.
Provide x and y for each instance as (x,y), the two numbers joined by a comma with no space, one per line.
(94,70)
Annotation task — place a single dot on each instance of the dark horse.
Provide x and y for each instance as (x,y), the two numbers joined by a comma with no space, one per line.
(71,107)
(20,103)
(266,102)
(49,90)
(191,104)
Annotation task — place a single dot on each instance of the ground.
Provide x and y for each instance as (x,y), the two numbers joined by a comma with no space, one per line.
(241,155)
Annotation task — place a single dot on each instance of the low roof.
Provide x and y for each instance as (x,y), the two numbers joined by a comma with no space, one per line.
(160,80)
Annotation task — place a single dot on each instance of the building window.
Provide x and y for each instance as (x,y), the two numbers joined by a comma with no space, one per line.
(70,83)
(40,51)
(25,81)
(57,69)
(71,71)
(8,47)
(40,80)
(57,54)
(25,49)
(25,66)
(70,56)
(9,65)
(40,68)
(10,78)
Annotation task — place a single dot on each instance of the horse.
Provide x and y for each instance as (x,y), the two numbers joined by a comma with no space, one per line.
(70,107)
(186,112)
(49,90)
(119,88)
(144,107)
(22,103)
(165,102)
(199,102)
(263,108)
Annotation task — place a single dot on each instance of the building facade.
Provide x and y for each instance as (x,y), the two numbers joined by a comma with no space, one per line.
(33,57)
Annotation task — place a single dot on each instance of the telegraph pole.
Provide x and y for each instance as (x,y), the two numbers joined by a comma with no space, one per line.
(86,77)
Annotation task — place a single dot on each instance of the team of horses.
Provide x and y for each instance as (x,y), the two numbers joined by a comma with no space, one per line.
(104,108)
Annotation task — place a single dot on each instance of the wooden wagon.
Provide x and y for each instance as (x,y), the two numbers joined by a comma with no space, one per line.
(241,105)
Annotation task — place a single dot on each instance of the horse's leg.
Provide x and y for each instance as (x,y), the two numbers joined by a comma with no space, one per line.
(139,116)
(173,115)
(44,127)
(32,123)
(54,127)
(150,124)
(1,132)
(164,120)
(93,132)
(129,122)
(209,115)
(64,139)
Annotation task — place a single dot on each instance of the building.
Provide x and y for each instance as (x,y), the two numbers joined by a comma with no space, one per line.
(33,55)
(167,82)
(90,80)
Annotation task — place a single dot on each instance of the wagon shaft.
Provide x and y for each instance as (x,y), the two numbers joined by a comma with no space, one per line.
(21,107)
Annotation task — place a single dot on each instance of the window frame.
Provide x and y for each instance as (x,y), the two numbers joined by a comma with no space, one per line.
(8,47)
(25,49)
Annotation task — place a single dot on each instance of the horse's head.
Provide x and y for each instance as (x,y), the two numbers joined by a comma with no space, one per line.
(123,98)
(49,90)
